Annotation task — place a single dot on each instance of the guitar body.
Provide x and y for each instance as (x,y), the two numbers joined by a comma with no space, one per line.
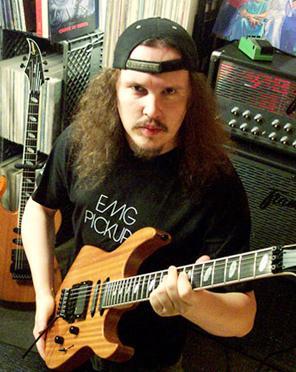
(16,282)
(12,290)
(96,330)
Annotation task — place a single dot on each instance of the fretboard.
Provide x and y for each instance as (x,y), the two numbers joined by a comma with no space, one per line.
(29,155)
(210,274)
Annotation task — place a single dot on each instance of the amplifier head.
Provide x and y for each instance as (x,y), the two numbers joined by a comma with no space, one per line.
(257,100)
(271,190)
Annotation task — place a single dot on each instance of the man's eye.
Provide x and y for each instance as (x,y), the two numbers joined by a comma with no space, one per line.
(138,89)
(169,91)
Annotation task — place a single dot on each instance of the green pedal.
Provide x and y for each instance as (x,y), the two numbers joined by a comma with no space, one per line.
(256,48)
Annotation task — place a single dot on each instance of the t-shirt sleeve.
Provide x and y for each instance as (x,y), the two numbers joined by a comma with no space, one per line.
(228,225)
(53,188)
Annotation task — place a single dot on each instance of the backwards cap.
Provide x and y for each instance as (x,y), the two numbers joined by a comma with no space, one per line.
(155,28)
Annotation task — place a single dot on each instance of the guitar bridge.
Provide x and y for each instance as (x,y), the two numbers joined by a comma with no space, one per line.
(19,267)
(74,302)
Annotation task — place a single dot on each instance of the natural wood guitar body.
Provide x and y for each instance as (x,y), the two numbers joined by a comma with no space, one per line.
(97,333)
(11,290)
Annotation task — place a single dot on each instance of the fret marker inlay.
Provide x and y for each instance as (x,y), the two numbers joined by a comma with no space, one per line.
(207,274)
(232,269)
(263,263)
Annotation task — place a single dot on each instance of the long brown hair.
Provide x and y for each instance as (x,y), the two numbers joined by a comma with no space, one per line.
(99,137)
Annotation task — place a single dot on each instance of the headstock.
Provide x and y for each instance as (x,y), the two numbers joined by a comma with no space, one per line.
(34,68)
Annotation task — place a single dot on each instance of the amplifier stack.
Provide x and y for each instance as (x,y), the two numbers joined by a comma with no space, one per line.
(257,100)
(257,103)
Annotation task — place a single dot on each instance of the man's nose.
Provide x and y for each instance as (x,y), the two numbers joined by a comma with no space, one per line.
(152,106)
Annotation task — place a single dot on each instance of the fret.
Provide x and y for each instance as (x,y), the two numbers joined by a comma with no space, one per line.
(159,277)
(114,293)
(144,283)
(207,274)
(263,263)
(239,267)
(254,265)
(151,285)
(103,297)
(95,299)
(127,290)
(107,294)
(131,290)
(189,272)
(120,291)
(220,271)
(232,269)
(135,288)
(196,278)
(201,275)
(247,265)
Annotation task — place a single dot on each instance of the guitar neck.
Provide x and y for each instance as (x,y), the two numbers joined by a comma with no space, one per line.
(210,274)
(29,154)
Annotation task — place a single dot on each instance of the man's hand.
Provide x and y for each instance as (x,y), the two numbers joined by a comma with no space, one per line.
(174,294)
(44,310)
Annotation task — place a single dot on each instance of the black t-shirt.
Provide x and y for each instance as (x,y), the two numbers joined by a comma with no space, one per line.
(140,193)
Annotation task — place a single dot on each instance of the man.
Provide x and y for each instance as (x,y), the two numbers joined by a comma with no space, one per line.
(146,149)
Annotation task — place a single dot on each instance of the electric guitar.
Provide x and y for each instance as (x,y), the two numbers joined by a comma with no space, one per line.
(101,285)
(16,284)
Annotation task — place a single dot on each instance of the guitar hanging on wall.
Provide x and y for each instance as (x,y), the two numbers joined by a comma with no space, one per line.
(16,282)
(100,286)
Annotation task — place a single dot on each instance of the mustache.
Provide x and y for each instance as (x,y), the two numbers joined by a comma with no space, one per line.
(151,122)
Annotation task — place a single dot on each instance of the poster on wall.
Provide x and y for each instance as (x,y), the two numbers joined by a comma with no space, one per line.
(274,20)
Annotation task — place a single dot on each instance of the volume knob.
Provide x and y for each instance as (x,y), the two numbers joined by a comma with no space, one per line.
(59,340)
(74,330)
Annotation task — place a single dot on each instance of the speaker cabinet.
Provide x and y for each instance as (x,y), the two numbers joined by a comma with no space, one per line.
(271,189)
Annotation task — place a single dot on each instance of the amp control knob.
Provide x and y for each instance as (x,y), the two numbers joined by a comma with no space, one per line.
(288,127)
(232,123)
(276,123)
(247,114)
(255,131)
(258,118)
(284,140)
(235,111)
(272,136)
(244,127)
(294,144)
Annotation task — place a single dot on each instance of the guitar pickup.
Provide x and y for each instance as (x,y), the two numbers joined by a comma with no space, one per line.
(74,302)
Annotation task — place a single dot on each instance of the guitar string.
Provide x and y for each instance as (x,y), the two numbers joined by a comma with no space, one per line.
(78,293)
(197,270)
(101,291)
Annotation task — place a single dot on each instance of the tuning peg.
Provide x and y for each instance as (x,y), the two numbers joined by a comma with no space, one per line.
(22,65)
(25,58)
(45,62)
(43,54)
(46,70)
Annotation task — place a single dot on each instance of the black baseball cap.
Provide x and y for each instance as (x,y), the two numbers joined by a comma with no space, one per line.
(150,29)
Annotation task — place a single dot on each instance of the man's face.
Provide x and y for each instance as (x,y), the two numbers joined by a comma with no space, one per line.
(152,106)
